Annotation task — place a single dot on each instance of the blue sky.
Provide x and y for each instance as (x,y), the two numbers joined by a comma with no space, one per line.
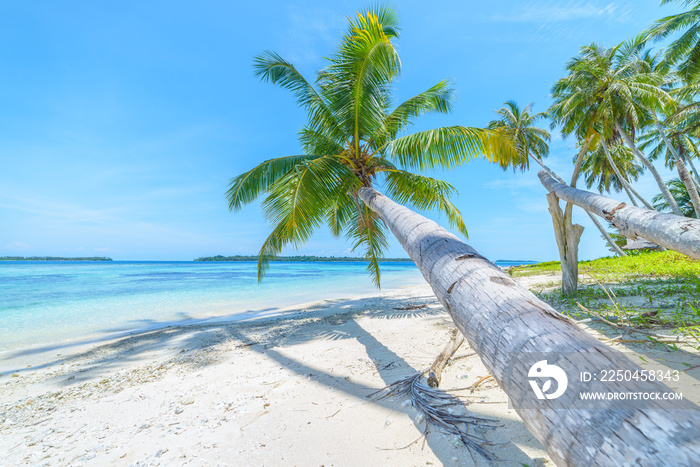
(121,123)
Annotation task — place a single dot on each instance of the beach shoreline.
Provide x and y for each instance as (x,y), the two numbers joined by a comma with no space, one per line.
(288,390)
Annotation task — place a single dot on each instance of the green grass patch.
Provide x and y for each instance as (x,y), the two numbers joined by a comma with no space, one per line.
(666,283)
(634,266)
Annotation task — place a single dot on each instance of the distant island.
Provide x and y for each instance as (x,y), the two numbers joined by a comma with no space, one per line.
(53,258)
(339,259)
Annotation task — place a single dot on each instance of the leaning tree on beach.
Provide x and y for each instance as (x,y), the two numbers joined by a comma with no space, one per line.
(353,141)
(354,138)
(531,142)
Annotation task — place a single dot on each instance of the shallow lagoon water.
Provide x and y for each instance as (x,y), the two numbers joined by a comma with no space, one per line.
(48,302)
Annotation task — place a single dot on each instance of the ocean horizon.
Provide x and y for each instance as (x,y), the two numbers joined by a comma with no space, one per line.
(53,302)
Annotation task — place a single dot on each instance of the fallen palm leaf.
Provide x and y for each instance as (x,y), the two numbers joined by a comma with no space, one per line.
(436,405)
(411,307)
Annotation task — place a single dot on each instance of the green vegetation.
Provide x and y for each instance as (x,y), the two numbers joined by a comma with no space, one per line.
(657,264)
(355,138)
(668,306)
(619,103)
(645,290)
(53,258)
(312,259)
(680,194)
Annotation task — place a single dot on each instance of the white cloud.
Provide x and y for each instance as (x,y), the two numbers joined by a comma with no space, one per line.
(105,250)
(552,11)
(18,246)
(312,34)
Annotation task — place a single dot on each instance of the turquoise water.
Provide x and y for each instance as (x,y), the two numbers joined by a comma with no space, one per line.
(504,263)
(48,302)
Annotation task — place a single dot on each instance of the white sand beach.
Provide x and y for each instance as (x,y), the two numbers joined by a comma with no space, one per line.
(292,390)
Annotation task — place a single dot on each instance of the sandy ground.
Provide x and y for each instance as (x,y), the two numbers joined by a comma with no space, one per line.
(288,391)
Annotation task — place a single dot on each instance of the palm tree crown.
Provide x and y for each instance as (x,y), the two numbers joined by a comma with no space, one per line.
(599,171)
(518,125)
(680,193)
(354,138)
(685,50)
(604,87)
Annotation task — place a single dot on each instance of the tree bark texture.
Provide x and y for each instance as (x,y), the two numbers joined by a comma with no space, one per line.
(677,233)
(696,176)
(568,236)
(687,179)
(499,319)
(566,233)
(615,247)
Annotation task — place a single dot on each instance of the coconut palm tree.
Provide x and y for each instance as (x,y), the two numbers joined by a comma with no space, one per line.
(614,89)
(668,139)
(611,166)
(605,93)
(685,50)
(680,193)
(506,323)
(673,148)
(354,138)
(683,128)
(518,124)
(531,142)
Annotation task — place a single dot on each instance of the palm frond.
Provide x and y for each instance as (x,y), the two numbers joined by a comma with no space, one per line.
(425,193)
(245,188)
(368,231)
(437,99)
(270,66)
(684,50)
(360,74)
(449,147)
(298,202)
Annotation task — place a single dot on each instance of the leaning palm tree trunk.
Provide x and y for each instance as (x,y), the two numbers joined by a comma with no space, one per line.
(659,181)
(628,188)
(501,320)
(676,233)
(696,177)
(689,183)
(615,248)
(683,172)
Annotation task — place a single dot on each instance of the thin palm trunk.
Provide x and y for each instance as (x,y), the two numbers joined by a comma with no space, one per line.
(659,181)
(612,163)
(616,249)
(696,177)
(683,173)
(628,187)
(677,233)
(688,181)
(502,321)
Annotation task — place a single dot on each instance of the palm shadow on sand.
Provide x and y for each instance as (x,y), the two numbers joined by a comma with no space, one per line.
(195,343)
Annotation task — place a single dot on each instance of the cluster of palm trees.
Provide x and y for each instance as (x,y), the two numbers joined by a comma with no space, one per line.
(354,138)
(618,102)
(628,108)
(621,103)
